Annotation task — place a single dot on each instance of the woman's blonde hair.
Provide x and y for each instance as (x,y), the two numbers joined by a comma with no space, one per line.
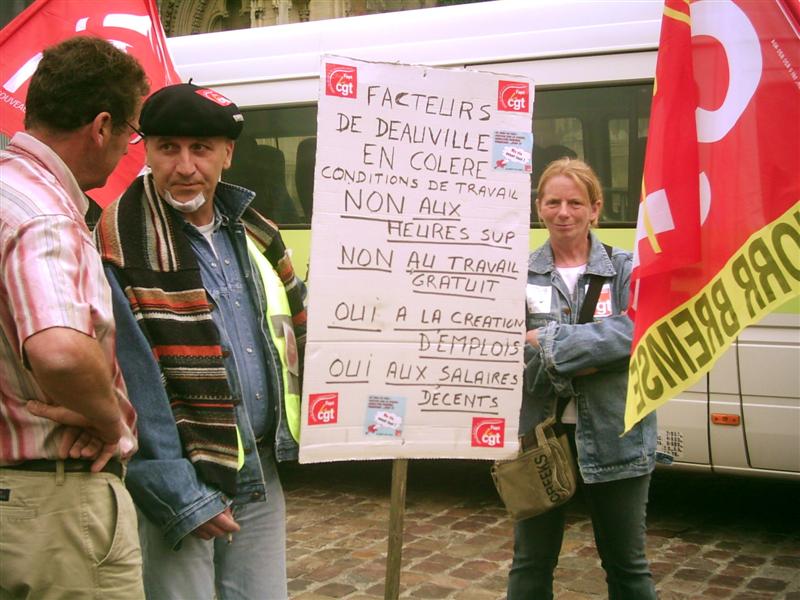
(582,174)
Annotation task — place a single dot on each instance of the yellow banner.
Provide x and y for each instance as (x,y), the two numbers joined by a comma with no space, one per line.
(678,349)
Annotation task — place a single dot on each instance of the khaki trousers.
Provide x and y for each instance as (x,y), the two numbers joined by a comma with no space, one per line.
(67,536)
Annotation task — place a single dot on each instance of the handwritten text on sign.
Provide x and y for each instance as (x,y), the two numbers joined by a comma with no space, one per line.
(418,254)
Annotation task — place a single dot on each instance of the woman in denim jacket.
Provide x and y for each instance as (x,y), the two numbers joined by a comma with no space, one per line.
(588,364)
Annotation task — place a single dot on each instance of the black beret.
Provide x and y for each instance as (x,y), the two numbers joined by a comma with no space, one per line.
(187,110)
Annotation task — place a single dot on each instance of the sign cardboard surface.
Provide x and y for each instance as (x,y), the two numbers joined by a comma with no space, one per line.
(418,263)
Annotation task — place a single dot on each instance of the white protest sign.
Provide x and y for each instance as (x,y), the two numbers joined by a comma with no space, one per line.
(418,263)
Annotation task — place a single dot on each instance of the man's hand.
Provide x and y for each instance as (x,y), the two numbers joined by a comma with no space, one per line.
(532,337)
(81,439)
(220,526)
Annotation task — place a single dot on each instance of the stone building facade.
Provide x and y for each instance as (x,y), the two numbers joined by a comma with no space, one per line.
(184,17)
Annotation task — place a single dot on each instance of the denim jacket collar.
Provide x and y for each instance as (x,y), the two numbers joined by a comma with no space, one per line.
(541,261)
(232,200)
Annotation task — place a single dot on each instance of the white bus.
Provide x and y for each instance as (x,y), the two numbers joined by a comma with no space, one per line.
(593,64)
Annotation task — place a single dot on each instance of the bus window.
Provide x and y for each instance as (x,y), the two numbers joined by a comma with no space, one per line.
(555,138)
(605,126)
(265,161)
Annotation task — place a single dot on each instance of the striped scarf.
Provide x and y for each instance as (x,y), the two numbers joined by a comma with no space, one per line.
(157,269)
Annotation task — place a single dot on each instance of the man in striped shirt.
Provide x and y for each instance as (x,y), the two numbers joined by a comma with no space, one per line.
(68,523)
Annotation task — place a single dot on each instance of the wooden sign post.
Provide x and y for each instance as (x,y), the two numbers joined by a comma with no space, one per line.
(397,512)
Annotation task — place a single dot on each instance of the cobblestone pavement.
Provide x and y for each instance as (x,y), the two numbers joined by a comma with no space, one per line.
(708,537)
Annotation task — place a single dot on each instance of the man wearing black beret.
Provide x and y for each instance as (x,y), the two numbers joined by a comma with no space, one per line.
(211,330)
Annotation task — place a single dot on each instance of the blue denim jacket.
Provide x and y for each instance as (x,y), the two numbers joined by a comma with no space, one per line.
(249,363)
(567,348)
(162,481)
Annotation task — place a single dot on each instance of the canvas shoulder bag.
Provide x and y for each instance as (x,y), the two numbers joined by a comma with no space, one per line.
(544,474)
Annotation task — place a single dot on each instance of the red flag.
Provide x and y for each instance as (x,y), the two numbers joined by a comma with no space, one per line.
(667,233)
(719,224)
(131,25)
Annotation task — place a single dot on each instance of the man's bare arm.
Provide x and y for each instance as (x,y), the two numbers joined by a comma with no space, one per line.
(73,372)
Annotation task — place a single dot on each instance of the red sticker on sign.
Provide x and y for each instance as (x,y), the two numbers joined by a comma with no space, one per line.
(341,80)
(214,96)
(488,432)
(323,409)
(513,96)
(604,308)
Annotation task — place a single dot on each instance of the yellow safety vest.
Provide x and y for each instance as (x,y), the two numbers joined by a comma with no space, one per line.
(279,320)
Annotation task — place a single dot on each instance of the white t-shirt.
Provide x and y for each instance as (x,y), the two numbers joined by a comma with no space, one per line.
(207,230)
(570,275)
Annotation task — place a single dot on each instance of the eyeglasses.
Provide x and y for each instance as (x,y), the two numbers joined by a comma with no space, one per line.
(137,135)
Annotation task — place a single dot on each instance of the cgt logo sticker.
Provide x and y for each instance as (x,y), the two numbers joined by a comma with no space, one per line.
(323,409)
(341,80)
(213,96)
(604,308)
(488,432)
(513,96)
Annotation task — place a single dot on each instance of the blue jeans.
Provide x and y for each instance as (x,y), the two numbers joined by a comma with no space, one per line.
(253,567)
(618,510)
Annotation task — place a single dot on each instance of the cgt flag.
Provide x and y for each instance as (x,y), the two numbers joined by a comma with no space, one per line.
(718,236)
(131,25)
